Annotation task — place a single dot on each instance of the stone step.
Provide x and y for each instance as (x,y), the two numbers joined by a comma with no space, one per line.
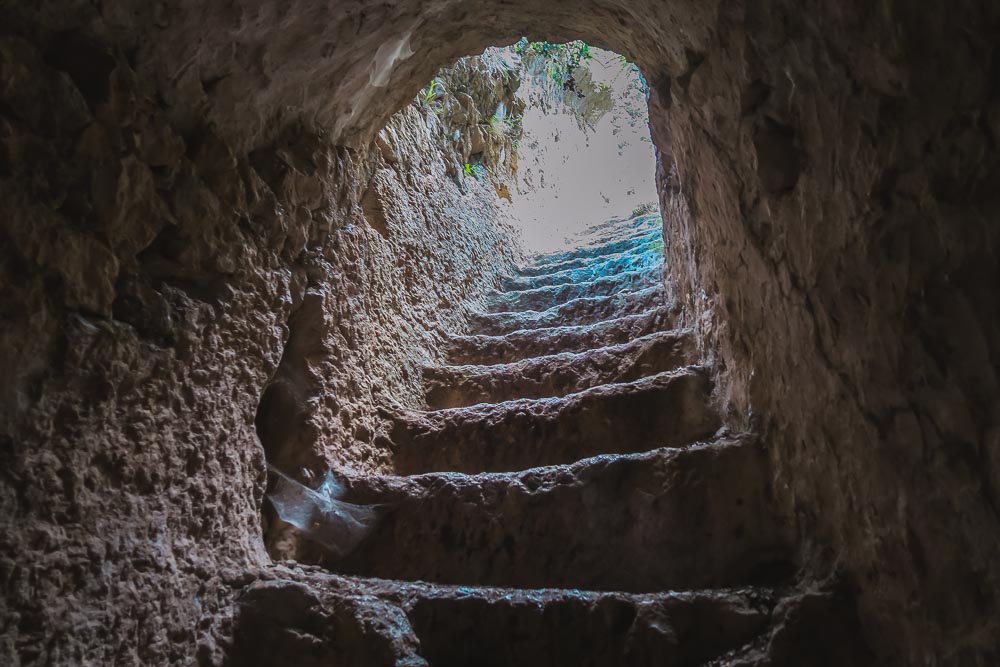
(538,342)
(608,236)
(504,627)
(596,250)
(613,230)
(527,272)
(541,298)
(559,374)
(582,259)
(637,260)
(291,610)
(585,310)
(665,519)
(667,409)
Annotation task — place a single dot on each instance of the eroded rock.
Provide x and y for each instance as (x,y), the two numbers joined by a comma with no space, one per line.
(853,316)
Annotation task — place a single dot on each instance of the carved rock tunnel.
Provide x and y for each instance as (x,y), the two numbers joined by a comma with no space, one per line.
(180,179)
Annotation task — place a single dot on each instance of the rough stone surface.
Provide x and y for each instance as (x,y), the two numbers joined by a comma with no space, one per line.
(171,304)
(611,629)
(319,617)
(634,261)
(547,296)
(582,310)
(699,514)
(518,345)
(829,176)
(558,374)
(844,273)
(666,409)
(684,518)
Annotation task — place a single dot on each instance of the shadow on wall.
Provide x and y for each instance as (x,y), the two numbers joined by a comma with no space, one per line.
(831,234)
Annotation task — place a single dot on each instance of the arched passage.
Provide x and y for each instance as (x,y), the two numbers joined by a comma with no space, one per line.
(829,185)
(350,67)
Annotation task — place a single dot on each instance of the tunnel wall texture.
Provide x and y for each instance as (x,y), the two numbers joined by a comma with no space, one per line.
(175,312)
(829,174)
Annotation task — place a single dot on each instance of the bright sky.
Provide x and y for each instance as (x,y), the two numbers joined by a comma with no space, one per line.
(569,179)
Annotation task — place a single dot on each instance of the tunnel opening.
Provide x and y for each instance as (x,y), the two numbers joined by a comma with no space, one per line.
(204,219)
(577,130)
(553,139)
(564,386)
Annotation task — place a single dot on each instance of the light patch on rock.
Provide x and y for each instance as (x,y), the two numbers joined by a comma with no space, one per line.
(390,53)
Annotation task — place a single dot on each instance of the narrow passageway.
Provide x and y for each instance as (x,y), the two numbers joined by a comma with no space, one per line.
(569,474)
(281,387)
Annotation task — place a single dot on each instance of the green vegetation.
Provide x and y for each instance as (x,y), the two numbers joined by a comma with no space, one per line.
(644,209)
(495,126)
(565,77)
(431,89)
(656,246)
(477,171)
(509,126)
(514,125)
(561,59)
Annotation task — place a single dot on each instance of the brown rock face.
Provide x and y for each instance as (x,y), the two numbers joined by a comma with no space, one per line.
(201,231)
(682,518)
(558,374)
(666,409)
(176,312)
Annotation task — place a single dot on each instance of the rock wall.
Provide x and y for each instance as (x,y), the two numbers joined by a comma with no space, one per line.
(831,198)
(829,171)
(175,311)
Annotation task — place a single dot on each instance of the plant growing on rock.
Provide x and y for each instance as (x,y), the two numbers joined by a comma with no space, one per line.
(494,127)
(514,126)
(431,90)
(477,171)
(644,208)
(561,75)
(561,59)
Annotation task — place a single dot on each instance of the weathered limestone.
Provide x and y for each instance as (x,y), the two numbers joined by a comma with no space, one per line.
(643,258)
(575,468)
(686,518)
(174,312)
(828,176)
(480,349)
(667,409)
(542,298)
(582,310)
(627,251)
(321,617)
(580,628)
(597,251)
(558,374)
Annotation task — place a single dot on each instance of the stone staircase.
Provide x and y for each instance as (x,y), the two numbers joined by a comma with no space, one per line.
(568,497)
